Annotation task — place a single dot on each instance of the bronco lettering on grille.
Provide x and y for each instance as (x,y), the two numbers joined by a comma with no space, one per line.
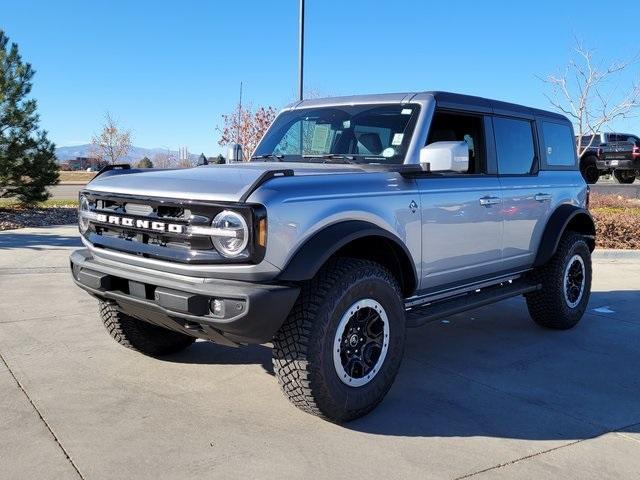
(140,224)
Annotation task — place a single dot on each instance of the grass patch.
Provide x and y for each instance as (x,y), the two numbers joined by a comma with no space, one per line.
(11,204)
(76,176)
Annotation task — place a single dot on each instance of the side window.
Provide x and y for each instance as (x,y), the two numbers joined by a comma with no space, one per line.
(461,127)
(514,146)
(558,144)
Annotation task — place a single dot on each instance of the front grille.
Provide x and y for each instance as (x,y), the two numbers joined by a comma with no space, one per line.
(140,240)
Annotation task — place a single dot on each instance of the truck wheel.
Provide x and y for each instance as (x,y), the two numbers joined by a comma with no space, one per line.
(625,176)
(566,285)
(139,335)
(590,173)
(339,350)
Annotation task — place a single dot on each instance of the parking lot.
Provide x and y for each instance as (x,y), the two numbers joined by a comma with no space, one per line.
(484,394)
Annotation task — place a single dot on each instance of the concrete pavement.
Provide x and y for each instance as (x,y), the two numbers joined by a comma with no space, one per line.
(485,394)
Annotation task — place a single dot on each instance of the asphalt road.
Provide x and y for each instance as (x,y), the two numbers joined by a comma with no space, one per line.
(66,191)
(486,394)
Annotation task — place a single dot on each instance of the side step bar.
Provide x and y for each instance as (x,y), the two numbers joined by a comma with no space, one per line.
(433,311)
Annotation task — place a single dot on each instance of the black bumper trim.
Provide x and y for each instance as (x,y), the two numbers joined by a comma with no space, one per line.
(258,309)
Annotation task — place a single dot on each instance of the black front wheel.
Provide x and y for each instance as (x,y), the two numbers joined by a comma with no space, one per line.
(139,335)
(338,352)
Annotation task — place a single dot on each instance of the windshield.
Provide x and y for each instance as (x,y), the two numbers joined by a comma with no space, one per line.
(345,134)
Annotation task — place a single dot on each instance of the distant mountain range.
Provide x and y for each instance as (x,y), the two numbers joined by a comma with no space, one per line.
(135,153)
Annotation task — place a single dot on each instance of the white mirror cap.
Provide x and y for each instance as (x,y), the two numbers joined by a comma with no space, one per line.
(446,156)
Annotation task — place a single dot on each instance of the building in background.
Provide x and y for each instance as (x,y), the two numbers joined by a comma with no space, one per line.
(83,163)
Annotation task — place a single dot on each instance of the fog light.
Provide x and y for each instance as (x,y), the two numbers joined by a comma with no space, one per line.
(217,307)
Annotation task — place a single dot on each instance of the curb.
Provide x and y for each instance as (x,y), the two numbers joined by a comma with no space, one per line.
(615,254)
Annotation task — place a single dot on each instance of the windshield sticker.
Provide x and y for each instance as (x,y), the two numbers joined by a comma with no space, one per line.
(406,111)
(346,124)
(320,138)
(388,152)
(397,139)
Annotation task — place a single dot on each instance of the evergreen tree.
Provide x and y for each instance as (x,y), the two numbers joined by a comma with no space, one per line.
(27,157)
(145,163)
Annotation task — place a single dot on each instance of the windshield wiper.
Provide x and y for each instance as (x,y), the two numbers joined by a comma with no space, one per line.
(333,158)
(269,156)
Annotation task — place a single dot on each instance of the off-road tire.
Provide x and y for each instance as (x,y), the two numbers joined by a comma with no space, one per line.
(589,170)
(303,347)
(139,335)
(624,176)
(548,307)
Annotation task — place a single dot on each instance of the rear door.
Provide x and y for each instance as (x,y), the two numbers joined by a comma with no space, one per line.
(526,194)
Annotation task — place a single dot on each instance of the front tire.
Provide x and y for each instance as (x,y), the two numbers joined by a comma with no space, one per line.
(625,176)
(139,335)
(566,285)
(338,352)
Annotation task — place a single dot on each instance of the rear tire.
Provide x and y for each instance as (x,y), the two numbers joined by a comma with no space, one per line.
(323,361)
(625,176)
(139,335)
(566,285)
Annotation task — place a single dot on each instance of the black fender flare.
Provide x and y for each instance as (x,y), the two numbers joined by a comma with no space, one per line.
(565,215)
(315,252)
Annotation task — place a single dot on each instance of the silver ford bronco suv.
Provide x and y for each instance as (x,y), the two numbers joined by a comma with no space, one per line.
(355,219)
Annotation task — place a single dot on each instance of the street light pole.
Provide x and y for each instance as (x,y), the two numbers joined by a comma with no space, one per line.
(301,52)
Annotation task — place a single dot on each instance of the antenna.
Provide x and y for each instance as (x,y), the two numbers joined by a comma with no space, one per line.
(301,51)
(239,115)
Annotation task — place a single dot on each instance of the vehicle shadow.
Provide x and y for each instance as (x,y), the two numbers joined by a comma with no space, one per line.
(37,241)
(207,353)
(492,372)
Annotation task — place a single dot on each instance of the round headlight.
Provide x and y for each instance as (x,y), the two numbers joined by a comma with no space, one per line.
(236,238)
(83,209)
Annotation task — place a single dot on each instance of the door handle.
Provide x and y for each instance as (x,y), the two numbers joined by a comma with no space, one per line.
(542,197)
(488,201)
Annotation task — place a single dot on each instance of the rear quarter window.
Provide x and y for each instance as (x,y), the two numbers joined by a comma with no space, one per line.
(558,145)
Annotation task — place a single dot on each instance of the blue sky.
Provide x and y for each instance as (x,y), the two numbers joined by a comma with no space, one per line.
(168,70)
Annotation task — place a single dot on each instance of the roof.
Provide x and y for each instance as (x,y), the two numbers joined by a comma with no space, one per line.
(443,99)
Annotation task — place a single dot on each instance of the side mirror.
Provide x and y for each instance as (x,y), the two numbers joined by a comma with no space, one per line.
(445,157)
(234,154)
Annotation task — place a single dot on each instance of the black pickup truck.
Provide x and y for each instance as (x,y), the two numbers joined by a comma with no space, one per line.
(593,163)
(622,158)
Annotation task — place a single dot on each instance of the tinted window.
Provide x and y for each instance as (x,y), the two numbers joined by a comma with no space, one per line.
(463,128)
(586,140)
(558,144)
(514,146)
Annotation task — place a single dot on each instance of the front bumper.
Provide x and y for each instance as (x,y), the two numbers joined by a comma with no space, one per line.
(249,313)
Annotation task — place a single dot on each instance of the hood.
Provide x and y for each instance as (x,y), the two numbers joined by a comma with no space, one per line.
(212,182)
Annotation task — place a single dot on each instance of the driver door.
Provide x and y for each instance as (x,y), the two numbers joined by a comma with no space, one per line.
(461,212)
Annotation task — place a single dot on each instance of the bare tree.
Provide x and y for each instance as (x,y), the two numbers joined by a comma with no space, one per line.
(246,127)
(164,160)
(584,93)
(112,144)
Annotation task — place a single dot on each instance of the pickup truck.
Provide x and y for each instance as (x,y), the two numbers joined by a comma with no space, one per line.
(593,164)
(354,219)
(622,157)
